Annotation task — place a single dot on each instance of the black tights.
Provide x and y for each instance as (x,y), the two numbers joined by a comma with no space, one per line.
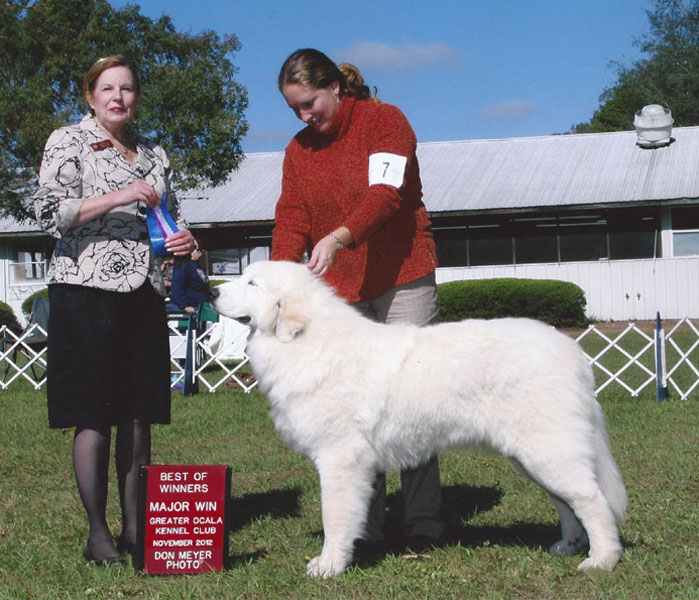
(91,463)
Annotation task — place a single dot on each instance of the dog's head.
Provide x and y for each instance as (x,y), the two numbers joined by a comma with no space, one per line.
(271,297)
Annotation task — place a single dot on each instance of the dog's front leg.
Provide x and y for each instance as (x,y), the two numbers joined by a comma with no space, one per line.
(346,481)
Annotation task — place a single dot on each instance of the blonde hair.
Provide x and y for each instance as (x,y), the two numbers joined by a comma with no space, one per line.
(312,68)
(355,83)
(99,67)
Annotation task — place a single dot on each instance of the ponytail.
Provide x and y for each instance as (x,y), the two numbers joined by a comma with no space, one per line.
(354,83)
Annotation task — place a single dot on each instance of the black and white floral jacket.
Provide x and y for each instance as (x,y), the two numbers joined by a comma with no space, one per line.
(113,252)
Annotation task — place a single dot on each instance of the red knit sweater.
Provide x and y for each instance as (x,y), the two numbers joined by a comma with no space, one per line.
(325,185)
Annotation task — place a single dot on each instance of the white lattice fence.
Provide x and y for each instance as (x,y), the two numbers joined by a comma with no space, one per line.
(215,363)
(685,363)
(606,358)
(23,356)
(633,358)
(628,358)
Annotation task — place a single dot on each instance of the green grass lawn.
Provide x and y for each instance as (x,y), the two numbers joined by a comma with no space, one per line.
(499,523)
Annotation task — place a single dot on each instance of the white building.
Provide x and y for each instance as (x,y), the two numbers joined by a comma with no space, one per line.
(619,220)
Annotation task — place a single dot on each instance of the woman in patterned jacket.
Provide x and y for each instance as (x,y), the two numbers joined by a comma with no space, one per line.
(352,200)
(108,350)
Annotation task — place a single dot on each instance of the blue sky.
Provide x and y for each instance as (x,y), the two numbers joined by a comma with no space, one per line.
(459,69)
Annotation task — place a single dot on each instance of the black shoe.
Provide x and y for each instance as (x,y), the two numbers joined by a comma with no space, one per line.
(418,544)
(125,547)
(362,546)
(103,561)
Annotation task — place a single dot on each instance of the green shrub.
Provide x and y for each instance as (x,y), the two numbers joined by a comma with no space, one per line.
(8,318)
(559,303)
(29,301)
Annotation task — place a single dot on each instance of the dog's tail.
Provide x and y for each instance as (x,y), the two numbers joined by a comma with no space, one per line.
(608,475)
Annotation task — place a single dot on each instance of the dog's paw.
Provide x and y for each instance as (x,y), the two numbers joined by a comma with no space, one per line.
(604,563)
(320,568)
(571,547)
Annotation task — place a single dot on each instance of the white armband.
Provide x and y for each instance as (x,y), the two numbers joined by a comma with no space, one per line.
(387,168)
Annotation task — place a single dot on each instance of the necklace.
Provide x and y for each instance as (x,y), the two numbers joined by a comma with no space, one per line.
(116,143)
(124,150)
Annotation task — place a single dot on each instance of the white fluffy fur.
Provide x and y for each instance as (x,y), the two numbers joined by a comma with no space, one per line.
(357,397)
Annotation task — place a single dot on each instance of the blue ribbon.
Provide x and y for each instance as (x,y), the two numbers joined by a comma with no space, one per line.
(160,226)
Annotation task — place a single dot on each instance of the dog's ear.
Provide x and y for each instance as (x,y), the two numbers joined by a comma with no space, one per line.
(292,319)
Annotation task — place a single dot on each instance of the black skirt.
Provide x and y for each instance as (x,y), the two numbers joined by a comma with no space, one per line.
(108,357)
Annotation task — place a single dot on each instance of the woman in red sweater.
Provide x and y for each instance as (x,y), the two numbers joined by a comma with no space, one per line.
(352,202)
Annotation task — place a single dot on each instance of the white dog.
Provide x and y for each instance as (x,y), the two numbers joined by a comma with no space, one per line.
(357,397)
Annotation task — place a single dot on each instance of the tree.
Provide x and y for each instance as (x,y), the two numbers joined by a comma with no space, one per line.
(192,104)
(669,75)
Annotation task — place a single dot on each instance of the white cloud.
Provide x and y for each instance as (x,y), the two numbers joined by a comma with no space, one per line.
(509,110)
(375,54)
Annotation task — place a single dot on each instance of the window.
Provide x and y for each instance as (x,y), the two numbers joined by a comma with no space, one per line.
(685,217)
(579,246)
(232,261)
(525,238)
(685,225)
(536,249)
(28,268)
(632,244)
(685,243)
(496,250)
(227,262)
(452,253)
(633,233)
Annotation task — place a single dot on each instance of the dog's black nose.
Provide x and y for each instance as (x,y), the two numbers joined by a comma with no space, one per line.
(213,293)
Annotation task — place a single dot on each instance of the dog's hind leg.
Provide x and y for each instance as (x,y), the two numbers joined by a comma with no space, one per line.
(598,519)
(574,485)
(346,485)
(573,535)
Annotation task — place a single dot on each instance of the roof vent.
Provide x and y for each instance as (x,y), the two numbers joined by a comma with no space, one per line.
(653,125)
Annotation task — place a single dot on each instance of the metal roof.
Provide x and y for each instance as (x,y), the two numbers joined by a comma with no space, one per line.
(249,195)
(474,175)
(500,174)
(557,171)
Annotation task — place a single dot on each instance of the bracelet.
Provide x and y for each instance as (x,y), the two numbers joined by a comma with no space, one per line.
(340,245)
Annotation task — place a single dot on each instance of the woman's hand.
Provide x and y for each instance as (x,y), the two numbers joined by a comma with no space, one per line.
(324,252)
(138,191)
(323,255)
(180,243)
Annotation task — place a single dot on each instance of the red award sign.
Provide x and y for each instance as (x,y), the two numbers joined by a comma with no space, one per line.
(183,525)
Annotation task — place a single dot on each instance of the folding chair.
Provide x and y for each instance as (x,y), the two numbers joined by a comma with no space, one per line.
(206,314)
(187,352)
(197,331)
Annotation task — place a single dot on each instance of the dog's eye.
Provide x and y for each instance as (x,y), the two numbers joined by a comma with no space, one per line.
(252,283)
